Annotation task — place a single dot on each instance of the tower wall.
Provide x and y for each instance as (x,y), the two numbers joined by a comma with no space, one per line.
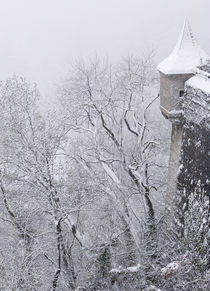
(177,85)
(165,85)
(173,168)
(170,88)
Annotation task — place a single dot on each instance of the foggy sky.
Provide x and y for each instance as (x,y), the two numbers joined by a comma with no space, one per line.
(39,39)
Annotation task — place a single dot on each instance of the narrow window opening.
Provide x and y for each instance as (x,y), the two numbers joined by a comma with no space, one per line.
(181,93)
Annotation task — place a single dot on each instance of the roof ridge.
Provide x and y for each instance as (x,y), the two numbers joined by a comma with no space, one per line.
(185,35)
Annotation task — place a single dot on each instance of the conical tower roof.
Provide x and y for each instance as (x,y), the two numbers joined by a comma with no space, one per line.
(186,56)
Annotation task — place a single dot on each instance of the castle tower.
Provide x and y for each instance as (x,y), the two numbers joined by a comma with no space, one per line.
(175,70)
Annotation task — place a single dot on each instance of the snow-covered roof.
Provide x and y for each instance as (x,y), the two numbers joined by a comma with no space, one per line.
(200,82)
(186,56)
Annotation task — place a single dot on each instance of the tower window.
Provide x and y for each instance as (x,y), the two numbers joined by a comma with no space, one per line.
(181,93)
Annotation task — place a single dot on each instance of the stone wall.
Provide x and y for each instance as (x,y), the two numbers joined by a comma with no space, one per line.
(193,178)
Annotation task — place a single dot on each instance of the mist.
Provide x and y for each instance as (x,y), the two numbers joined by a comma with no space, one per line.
(104,170)
(40,39)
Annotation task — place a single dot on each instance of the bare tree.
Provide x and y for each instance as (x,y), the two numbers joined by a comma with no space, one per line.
(32,192)
(109,109)
(80,189)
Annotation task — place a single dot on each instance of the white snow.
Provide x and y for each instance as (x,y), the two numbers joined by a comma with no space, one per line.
(153,288)
(186,56)
(133,269)
(111,173)
(199,82)
(171,269)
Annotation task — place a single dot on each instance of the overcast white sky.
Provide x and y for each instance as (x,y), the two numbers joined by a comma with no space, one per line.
(39,39)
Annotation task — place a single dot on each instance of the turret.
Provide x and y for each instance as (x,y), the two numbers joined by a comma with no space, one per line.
(175,70)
